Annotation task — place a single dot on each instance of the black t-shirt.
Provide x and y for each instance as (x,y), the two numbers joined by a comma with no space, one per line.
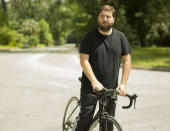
(105,55)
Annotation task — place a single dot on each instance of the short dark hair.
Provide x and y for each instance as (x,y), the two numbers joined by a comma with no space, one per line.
(107,8)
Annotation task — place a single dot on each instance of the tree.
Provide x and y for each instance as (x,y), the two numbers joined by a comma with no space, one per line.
(4,7)
(30,27)
(45,35)
(59,19)
(3,18)
(16,5)
(158,23)
(142,14)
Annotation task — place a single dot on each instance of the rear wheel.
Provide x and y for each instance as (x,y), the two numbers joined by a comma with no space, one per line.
(95,126)
(71,112)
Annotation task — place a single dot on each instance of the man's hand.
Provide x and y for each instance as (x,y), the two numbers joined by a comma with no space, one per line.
(122,90)
(97,85)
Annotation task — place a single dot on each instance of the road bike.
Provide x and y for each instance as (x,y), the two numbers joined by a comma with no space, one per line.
(102,118)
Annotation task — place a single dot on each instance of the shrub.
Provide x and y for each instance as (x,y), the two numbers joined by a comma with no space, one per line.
(11,37)
(3,18)
(45,35)
(31,41)
(30,27)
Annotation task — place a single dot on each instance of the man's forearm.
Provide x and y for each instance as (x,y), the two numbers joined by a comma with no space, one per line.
(87,69)
(126,70)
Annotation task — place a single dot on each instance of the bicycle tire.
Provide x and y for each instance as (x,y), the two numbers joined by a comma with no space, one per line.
(95,124)
(70,113)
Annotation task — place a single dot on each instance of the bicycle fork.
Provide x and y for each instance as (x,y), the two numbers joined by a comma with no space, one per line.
(103,122)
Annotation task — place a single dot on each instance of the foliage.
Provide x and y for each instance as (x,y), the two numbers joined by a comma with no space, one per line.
(59,21)
(159,32)
(10,37)
(29,9)
(3,18)
(144,22)
(80,20)
(31,41)
(45,35)
(143,14)
(30,27)
(122,25)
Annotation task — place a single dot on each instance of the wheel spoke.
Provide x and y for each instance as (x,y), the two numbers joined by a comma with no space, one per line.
(95,126)
(71,112)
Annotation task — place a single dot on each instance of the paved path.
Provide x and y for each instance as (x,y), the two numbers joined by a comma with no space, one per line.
(34,89)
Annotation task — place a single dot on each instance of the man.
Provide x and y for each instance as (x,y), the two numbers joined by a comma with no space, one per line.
(101,51)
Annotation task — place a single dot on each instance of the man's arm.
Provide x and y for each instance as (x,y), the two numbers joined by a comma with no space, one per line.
(125,74)
(87,69)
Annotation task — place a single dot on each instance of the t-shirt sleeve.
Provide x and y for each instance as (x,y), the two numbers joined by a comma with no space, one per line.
(85,44)
(126,49)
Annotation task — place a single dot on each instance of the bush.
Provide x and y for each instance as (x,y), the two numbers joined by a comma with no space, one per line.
(45,35)
(3,18)
(11,37)
(4,35)
(18,41)
(62,40)
(30,27)
(31,41)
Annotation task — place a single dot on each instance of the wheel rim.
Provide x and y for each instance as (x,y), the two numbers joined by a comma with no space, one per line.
(96,125)
(71,112)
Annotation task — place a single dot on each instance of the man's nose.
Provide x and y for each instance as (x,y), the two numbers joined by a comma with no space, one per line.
(105,18)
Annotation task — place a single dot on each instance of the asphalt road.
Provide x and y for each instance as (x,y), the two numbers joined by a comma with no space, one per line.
(35,87)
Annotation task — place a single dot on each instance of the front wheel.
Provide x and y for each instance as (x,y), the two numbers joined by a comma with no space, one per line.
(95,126)
(71,112)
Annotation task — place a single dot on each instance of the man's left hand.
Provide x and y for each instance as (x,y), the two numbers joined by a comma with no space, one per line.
(122,90)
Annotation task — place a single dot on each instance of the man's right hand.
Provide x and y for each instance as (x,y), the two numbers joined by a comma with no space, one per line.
(97,85)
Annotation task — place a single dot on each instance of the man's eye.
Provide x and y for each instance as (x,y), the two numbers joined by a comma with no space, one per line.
(103,16)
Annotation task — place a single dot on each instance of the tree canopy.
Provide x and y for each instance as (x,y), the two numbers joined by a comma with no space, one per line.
(145,23)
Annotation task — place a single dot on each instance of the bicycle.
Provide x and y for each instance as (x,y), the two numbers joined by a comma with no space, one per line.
(102,117)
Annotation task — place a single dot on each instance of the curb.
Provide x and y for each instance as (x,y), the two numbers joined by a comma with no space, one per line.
(38,51)
(163,69)
(57,49)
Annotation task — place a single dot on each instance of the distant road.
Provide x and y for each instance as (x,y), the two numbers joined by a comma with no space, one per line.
(34,89)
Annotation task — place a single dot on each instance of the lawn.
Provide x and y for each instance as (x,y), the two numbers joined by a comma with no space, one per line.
(151,57)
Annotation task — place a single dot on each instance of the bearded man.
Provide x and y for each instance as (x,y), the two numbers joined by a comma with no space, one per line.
(101,51)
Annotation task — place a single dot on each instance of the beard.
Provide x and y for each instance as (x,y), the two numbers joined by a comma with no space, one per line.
(104,26)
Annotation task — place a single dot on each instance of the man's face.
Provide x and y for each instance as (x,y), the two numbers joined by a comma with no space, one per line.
(105,21)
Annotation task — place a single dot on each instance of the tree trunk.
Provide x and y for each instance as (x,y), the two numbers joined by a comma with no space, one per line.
(142,32)
(4,5)
(141,24)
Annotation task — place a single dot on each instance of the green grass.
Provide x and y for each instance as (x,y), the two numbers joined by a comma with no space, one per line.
(7,47)
(12,47)
(151,57)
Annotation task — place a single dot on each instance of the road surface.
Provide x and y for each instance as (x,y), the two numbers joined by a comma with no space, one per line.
(35,87)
